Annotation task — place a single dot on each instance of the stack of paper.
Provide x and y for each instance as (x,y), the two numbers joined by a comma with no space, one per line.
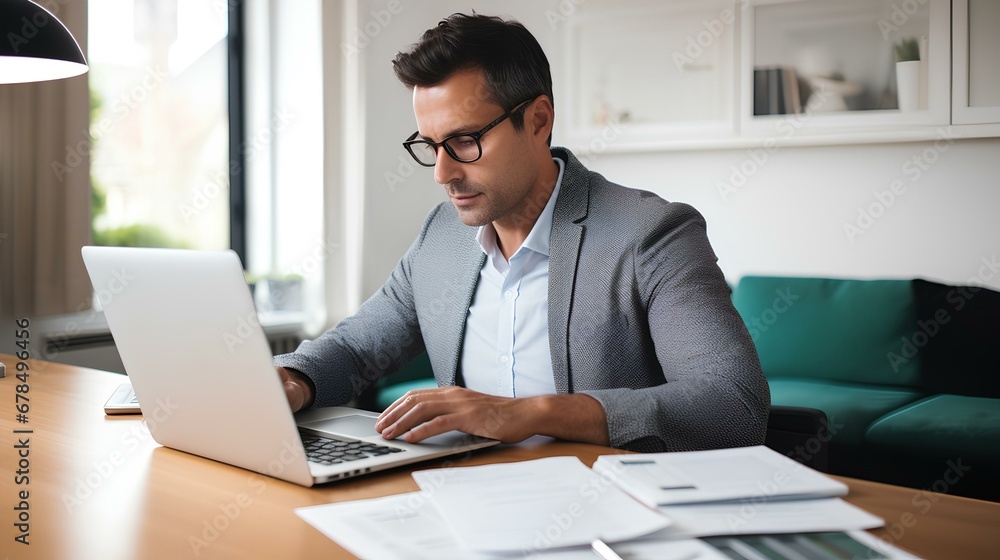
(408,527)
(554,508)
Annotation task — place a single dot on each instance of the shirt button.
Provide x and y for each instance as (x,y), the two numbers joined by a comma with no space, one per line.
(504,359)
(508,294)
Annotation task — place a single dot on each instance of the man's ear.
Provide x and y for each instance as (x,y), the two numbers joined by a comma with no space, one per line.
(538,118)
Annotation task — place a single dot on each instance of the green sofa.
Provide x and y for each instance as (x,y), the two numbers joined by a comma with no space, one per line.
(905,370)
(415,375)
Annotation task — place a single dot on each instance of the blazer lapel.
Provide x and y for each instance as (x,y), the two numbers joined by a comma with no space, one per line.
(465,276)
(564,250)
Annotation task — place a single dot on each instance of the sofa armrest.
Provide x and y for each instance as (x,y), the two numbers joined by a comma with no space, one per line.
(800,433)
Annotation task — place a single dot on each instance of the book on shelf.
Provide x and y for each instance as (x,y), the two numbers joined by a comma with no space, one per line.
(776,91)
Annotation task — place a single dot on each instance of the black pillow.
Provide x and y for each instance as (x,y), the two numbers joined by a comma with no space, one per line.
(958,338)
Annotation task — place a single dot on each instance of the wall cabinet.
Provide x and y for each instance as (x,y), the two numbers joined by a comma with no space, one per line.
(842,56)
(648,75)
(976,62)
(658,70)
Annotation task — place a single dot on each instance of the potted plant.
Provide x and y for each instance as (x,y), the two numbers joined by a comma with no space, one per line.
(908,74)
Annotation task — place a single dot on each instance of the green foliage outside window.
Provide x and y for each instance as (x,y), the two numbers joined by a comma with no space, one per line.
(134,235)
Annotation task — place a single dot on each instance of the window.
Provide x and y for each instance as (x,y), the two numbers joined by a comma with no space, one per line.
(160,123)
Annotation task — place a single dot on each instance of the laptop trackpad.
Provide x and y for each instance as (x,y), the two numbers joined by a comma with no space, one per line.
(360,426)
(354,425)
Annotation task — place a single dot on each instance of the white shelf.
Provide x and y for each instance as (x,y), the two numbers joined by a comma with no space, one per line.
(840,138)
(735,126)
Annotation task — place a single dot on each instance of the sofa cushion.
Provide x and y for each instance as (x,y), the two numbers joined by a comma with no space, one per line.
(842,330)
(850,409)
(944,443)
(417,374)
(942,426)
(958,333)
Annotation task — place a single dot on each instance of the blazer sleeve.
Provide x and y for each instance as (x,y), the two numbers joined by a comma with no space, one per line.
(381,337)
(714,395)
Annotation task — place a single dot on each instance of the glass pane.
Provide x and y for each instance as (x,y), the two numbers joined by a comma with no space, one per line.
(984,46)
(652,63)
(845,52)
(159,123)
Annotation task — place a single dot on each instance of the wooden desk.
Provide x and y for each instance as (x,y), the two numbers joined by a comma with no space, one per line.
(101,488)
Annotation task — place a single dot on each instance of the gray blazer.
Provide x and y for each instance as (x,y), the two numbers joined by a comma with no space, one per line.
(640,318)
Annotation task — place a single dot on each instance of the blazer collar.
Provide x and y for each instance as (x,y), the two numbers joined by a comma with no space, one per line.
(574,196)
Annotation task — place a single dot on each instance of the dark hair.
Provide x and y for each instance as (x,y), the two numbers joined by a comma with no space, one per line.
(513,63)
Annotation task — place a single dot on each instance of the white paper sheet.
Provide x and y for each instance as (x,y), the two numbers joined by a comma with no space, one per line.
(534,506)
(407,527)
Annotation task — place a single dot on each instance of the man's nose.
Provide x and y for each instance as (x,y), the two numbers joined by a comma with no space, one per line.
(446,169)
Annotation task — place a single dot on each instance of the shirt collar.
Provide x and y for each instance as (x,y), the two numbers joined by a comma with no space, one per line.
(538,237)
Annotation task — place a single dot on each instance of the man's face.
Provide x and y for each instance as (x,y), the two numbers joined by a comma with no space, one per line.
(496,186)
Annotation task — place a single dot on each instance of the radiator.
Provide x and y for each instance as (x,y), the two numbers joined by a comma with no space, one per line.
(91,344)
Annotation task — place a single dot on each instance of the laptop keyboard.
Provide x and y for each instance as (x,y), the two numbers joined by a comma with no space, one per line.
(327,450)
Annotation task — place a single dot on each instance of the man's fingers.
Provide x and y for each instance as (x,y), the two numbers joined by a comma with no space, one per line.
(294,391)
(295,394)
(433,427)
(402,406)
(392,413)
(418,412)
(429,412)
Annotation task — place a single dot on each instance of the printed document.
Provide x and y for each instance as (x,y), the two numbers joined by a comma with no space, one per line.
(533,506)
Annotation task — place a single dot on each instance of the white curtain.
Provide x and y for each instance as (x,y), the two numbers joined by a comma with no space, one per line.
(45,189)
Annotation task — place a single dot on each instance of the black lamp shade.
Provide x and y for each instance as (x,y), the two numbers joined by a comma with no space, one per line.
(35,46)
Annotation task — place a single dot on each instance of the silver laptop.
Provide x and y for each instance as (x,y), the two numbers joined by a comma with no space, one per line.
(185,325)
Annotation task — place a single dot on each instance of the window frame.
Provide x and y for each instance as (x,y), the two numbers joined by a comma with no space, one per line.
(237,128)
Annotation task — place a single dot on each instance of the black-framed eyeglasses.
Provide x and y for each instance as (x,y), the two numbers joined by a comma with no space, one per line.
(464,147)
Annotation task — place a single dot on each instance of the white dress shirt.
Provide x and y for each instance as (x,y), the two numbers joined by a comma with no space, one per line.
(505,351)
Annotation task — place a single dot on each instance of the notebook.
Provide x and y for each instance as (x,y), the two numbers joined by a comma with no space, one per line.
(719,475)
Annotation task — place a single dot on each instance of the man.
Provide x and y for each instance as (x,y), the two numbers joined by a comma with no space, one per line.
(549,300)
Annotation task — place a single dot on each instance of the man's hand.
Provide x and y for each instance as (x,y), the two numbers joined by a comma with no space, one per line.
(298,388)
(430,412)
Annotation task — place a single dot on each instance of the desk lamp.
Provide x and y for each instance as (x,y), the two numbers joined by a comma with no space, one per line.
(34,47)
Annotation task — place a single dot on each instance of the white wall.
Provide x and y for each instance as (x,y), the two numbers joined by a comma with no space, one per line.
(787,219)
